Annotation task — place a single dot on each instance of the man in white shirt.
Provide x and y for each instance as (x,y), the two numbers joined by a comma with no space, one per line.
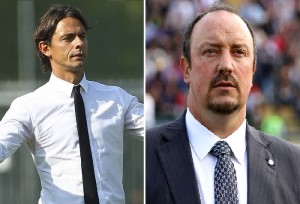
(218,63)
(45,119)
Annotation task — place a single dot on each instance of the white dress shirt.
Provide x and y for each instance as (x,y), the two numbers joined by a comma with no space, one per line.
(201,141)
(45,120)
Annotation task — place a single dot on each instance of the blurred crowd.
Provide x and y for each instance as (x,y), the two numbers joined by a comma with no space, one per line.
(275,96)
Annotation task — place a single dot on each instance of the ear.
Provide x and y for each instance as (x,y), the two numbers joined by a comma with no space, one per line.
(254,69)
(185,68)
(253,72)
(45,48)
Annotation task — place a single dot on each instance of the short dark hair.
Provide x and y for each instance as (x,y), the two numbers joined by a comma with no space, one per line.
(218,6)
(47,26)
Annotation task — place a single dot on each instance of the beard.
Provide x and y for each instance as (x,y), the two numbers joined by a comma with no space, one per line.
(225,107)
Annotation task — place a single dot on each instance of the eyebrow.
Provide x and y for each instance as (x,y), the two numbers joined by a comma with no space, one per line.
(70,33)
(211,44)
(216,44)
(238,45)
(74,33)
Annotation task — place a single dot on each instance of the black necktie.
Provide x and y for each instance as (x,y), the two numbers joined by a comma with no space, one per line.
(225,182)
(88,174)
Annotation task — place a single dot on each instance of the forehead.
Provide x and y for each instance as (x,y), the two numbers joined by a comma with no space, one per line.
(222,26)
(69,24)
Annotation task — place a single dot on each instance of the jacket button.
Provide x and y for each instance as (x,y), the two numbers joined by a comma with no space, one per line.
(270,162)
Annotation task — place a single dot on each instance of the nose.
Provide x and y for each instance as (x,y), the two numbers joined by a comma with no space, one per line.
(78,42)
(225,62)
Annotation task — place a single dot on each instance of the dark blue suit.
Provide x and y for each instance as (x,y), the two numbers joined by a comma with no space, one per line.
(170,174)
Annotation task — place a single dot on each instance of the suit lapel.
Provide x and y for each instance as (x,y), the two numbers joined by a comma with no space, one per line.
(176,160)
(261,175)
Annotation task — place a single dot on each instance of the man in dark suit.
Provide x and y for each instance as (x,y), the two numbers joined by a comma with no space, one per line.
(218,63)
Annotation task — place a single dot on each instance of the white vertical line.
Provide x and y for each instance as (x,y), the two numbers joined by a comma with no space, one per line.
(26,53)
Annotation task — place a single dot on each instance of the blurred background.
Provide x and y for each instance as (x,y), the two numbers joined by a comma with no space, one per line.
(274,102)
(115,57)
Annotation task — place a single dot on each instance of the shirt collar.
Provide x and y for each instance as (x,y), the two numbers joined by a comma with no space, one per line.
(84,84)
(202,139)
(65,87)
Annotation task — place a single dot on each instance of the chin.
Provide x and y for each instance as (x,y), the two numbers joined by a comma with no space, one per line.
(76,70)
(224,107)
(79,66)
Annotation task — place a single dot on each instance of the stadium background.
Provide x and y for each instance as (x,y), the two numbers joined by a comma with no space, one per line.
(274,102)
(115,57)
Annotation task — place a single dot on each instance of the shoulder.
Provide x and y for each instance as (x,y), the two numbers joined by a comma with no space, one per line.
(23,107)
(103,87)
(107,89)
(282,148)
(155,137)
(113,95)
(174,132)
(155,133)
(31,98)
(170,130)
(286,157)
(156,130)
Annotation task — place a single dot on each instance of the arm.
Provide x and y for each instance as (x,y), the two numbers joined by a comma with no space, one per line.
(15,129)
(134,117)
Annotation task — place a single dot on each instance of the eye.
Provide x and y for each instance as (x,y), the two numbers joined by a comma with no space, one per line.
(239,52)
(68,38)
(83,36)
(210,51)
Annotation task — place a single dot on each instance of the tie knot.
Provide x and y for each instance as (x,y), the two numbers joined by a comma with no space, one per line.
(220,148)
(77,89)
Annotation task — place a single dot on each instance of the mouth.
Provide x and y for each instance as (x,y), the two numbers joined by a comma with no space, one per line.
(224,84)
(79,55)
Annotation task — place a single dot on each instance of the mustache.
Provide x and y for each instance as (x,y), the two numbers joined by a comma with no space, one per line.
(224,77)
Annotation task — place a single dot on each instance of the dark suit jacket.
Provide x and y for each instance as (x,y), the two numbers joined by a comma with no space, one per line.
(170,174)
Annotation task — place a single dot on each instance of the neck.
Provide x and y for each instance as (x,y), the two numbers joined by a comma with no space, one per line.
(70,77)
(221,125)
